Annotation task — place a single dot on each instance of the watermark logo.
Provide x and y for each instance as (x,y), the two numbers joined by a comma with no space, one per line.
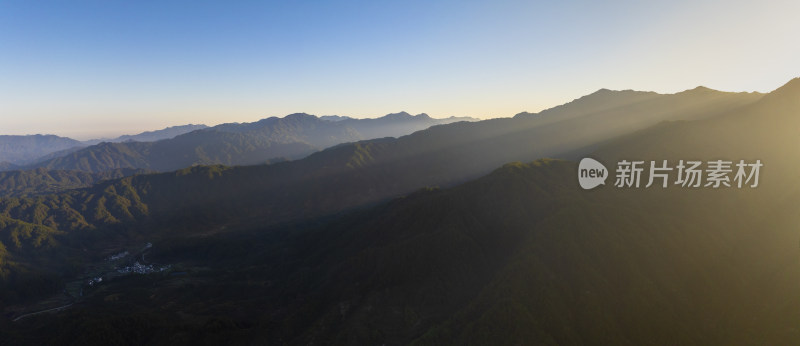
(693,174)
(591,173)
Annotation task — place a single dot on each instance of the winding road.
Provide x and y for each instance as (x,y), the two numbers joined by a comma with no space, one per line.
(41,312)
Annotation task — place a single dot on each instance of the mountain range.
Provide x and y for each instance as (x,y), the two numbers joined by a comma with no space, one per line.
(267,140)
(17,152)
(438,237)
(349,175)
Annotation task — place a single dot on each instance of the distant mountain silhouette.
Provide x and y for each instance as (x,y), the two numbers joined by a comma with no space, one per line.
(20,150)
(151,136)
(25,151)
(267,140)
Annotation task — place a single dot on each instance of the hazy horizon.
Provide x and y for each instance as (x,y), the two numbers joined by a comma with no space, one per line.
(111,134)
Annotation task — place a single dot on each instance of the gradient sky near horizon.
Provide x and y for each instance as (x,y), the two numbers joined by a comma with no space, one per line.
(89,69)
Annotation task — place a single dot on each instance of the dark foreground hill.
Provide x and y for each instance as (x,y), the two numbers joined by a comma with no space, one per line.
(521,256)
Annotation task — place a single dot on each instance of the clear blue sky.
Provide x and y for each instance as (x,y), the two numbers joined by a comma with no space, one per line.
(102,68)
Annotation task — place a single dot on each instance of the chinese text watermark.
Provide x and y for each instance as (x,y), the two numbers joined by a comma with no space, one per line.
(686,173)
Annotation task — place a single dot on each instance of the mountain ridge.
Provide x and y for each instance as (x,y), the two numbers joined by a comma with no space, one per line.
(151,136)
(367,172)
(267,140)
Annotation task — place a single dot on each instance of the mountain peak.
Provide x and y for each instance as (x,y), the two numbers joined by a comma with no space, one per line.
(524,114)
(421,116)
(300,116)
(335,117)
(698,90)
(788,93)
(400,115)
(793,86)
